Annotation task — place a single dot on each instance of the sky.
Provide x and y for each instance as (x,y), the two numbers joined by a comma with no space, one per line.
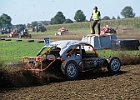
(27,11)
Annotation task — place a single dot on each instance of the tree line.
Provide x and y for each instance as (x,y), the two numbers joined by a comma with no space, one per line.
(59,18)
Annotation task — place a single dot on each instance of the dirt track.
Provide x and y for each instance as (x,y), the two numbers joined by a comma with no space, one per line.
(89,86)
(78,36)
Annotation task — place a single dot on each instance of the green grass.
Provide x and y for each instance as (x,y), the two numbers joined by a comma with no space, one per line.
(53,31)
(11,51)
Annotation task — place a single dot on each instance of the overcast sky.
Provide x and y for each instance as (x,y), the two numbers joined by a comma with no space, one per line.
(27,11)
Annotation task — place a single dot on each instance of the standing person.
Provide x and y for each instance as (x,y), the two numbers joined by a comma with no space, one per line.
(97,19)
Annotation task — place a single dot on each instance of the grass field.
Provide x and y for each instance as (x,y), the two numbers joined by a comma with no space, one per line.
(85,26)
(125,22)
(12,51)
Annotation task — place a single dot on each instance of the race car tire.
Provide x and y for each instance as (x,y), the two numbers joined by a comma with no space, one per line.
(30,40)
(7,39)
(40,41)
(2,39)
(114,65)
(18,40)
(70,69)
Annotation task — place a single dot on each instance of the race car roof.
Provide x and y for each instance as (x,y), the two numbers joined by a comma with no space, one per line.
(66,43)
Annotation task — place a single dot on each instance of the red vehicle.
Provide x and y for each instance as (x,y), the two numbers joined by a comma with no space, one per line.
(13,33)
(24,34)
(107,29)
(62,29)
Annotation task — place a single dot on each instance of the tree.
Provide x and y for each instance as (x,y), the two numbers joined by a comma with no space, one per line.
(79,16)
(52,21)
(127,12)
(46,22)
(5,19)
(118,17)
(29,25)
(34,23)
(59,18)
(106,18)
(113,17)
(68,21)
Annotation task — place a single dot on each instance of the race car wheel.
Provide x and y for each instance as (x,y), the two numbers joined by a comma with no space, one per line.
(40,41)
(70,69)
(114,65)
(2,39)
(7,39)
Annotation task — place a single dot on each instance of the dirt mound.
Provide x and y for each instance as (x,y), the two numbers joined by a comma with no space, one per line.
(129,60)
(16,77)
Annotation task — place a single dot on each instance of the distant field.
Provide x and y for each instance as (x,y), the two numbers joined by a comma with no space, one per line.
(78,27)
(85,26)
(125,22)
